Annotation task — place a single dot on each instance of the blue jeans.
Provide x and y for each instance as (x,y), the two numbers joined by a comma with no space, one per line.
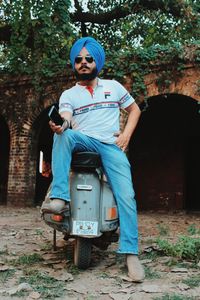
(117,170)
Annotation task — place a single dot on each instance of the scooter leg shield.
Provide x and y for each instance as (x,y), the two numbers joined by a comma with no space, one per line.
(85,203)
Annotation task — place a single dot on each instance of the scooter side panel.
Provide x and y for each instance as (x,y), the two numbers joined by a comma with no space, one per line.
(108,202)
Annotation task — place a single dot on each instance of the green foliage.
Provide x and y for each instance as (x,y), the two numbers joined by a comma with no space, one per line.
(28,259)
(186,247)
(46,285)
(163,230)
(192,229)
(146,27)
(192,281)
(172,262)
(139,61)
(5,275)
(150,274)
(39,231)
(73,270)
(152,255)
(38,44)
(43,32)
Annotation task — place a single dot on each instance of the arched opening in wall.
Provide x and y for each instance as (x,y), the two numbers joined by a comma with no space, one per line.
(43,140)
(4,159)
(164,154)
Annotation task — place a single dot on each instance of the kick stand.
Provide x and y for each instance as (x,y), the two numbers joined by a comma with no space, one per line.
(54,240)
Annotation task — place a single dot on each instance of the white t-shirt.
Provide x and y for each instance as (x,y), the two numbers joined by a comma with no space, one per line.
(96,115)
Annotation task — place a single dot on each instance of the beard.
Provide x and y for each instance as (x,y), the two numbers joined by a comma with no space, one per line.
(86,76)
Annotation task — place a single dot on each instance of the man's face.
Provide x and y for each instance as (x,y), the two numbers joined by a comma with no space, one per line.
(85,66)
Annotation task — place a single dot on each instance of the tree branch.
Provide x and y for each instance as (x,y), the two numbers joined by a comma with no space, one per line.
(173,7)
(5,33)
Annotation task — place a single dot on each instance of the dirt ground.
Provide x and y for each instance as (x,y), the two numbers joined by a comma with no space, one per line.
(31,269)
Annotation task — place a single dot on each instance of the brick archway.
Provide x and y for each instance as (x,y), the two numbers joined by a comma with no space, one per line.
(4,158)
(164,154)
(184,83)
(42,140)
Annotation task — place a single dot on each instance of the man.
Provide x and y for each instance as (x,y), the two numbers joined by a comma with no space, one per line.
(92,107)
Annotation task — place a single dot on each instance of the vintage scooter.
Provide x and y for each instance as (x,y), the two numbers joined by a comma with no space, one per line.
(93,216)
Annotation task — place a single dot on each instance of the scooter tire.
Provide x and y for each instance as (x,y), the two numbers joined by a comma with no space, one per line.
(82,252)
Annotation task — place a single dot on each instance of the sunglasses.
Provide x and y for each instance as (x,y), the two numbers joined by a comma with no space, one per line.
(88,58)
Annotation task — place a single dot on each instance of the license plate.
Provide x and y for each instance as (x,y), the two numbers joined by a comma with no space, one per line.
(85,228)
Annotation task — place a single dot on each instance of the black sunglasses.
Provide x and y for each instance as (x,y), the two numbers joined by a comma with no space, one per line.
(88,58)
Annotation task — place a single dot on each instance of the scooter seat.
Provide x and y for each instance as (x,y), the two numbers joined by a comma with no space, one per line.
(86,160)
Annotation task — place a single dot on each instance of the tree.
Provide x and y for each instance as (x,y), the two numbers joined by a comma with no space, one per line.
(147,23)
(36,35)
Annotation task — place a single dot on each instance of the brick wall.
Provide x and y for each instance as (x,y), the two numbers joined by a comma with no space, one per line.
(23,109)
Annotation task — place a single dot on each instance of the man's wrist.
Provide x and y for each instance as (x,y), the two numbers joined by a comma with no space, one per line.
(66,124)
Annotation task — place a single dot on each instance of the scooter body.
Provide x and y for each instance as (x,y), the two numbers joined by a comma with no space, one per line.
(93,216)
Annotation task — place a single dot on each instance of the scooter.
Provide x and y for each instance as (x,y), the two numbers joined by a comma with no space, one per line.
(93,216)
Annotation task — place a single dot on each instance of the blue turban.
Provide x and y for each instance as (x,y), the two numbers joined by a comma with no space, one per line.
(94,49)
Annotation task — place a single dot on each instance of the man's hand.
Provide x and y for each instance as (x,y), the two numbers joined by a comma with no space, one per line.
(55,128)
(122,140)
(124,137)
(59,129)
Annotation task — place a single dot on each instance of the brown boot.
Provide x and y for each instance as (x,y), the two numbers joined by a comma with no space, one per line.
(135,268)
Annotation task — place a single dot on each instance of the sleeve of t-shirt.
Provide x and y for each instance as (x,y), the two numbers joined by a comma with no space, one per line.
(125,99)
(65,103)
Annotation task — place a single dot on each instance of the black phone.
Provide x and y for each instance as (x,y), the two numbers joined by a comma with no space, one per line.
(55,116)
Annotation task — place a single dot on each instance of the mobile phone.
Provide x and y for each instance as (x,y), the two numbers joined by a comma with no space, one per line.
(55,116)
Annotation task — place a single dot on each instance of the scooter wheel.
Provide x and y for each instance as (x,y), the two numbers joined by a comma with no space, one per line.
(82,252)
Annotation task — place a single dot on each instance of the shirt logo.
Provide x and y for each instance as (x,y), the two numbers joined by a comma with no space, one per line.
(106,94)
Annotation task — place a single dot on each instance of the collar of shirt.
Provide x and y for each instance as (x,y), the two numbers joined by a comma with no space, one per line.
(82,87)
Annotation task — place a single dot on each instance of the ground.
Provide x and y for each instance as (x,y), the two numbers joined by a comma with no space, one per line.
(31,269)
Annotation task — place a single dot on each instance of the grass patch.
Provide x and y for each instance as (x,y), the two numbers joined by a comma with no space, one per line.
(4,251)
(103,275)
(174,297)
(46,246)
(20,294)
(5,275)
(44,284)
(172,262)
(193,281)
(39,232)
(181,264)
(187,247)
(74,270)
(152,254)
(149,241)
(27,259)
(150,274)
(163,229)
(192,229)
